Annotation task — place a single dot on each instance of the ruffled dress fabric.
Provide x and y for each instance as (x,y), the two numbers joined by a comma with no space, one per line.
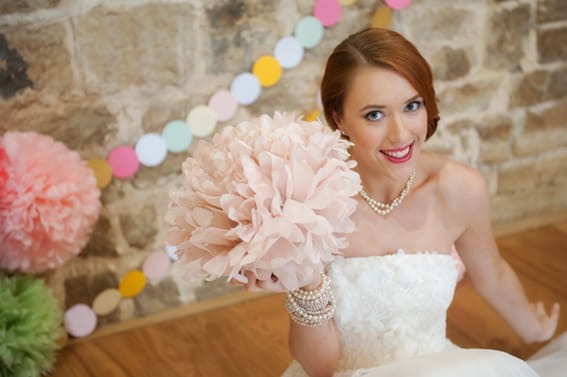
(391,316)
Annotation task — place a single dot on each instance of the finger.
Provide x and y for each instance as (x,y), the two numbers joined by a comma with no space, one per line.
(555,309)
(540,309)
(251,285)
(236,282)
(275,285)
(272,286)
(239,279)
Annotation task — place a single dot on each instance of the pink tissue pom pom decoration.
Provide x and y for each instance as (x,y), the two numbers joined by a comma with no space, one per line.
(270,196)
(49,202)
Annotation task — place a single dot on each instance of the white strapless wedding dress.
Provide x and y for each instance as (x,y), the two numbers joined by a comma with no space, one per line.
(391,313)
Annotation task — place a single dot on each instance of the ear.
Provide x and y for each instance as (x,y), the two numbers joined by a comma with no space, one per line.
(339,122)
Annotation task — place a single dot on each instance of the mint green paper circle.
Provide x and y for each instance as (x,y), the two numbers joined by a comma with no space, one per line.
(309,31)
(177,136)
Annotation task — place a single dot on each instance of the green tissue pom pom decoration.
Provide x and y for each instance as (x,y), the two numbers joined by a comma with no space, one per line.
(30,324)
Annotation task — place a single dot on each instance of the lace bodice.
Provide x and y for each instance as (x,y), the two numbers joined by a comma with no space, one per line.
(391,307)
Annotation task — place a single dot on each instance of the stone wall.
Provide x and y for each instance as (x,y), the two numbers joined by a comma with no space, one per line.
(96,74)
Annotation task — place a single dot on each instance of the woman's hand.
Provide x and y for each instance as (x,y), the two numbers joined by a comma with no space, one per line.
(255,285)
(547,323)
(272,285)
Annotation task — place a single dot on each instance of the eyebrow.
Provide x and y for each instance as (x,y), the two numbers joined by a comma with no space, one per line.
(367,107)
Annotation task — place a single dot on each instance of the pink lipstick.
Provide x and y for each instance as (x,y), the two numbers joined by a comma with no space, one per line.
(399,155)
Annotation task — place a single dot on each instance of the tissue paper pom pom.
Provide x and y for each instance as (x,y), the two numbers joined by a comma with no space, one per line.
(270,196)
(49,202)
(30,325)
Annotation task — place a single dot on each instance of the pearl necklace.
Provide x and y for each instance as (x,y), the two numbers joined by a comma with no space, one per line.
(382,208)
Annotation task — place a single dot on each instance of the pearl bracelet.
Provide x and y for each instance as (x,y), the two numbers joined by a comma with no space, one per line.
(311,308)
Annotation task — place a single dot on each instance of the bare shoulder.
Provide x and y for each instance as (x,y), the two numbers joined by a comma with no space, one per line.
(462,188)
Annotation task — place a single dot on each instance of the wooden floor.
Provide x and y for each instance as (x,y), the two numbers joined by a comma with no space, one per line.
(250,338)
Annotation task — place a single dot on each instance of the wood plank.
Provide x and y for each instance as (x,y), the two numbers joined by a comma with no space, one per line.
(523,224)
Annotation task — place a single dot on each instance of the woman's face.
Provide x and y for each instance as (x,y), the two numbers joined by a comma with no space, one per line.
(385,118)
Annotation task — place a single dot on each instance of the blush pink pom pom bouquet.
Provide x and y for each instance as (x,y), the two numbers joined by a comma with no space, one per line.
(268,196)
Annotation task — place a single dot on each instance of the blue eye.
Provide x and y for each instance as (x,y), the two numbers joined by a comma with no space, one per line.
(413,106)
(374,115)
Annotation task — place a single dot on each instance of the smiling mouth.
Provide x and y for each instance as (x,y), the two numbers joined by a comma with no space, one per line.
(399,155)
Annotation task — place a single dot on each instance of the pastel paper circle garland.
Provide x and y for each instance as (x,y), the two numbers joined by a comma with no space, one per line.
(309,31)
(246,88)
(223,105)
(123,161)
(328,12)
(177,136)
(288,52)
(398,4)
(202,121)
(268,70)
(80,320)
(151,149)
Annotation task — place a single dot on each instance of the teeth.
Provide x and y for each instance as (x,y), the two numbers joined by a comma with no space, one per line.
(398,154)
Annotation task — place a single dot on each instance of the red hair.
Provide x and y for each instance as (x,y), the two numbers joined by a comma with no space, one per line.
(379,48)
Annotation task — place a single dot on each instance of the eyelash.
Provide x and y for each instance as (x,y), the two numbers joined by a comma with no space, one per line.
(418,103)
(367,116)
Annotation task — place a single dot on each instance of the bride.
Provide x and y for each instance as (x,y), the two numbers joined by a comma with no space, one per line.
(380,309)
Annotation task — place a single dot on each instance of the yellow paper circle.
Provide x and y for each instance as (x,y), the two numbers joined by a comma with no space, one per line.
(346,2)
(132,283)
(382,17)
(106,301)
(311,116)
(102,171)
(268,70)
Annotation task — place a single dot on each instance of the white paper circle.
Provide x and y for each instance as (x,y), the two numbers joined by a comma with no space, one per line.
(170,250)
(245,88)
(288,52)
(80,320)
(319,100)
(202,121)
(151,149)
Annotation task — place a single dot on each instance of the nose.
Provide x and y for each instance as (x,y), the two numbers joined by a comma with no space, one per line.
(397,130)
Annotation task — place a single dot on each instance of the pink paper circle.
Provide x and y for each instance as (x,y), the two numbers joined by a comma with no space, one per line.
(80,320)
(223,105)
(328,11)
(157,265)
(398,4)
(123,161)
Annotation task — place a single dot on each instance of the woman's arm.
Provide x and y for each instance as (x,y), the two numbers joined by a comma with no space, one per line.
(490,274)
(316,348)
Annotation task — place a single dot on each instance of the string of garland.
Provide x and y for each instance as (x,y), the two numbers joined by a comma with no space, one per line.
(151,149)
